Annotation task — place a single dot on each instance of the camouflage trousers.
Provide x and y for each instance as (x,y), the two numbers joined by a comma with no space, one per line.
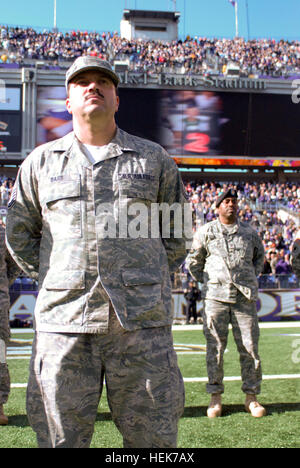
(243,317)
(4,372)
(144,386)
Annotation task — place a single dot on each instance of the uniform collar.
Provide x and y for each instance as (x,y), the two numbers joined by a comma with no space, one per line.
(236,228)
(72,147)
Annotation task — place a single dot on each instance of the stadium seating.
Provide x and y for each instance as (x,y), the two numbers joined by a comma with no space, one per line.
(256,57)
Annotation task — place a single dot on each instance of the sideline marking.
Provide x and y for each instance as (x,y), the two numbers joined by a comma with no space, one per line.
(204,379)
(237,378)
(279,324)
(274,324)
(189,348)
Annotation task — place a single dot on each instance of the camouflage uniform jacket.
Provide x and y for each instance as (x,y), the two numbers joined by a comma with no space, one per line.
(8,272)
(295,258)
(55,230)
(226,263)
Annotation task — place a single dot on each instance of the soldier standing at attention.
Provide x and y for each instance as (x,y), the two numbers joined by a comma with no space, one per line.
(104,303)
(227,256)
(8,272)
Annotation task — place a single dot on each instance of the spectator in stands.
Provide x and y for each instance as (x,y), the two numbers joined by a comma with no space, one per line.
(283,266)
(4,191)
(267,278)
(267,267)
(258,57)
(6,187)
(273,260)
(283,270)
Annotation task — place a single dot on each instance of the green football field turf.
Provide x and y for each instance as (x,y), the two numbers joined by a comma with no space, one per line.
(280,355)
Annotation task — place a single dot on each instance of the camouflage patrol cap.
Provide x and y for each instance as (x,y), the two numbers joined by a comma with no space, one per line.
(91,63)
(230,193)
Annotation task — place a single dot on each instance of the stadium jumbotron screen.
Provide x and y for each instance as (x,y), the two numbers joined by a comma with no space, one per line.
(196,127)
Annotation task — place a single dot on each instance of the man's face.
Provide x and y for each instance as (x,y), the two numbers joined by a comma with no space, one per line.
(228,209)
(92,93)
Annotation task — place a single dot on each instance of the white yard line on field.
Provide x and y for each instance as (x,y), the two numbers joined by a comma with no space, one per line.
(204,379)
(280,324)
(237,378)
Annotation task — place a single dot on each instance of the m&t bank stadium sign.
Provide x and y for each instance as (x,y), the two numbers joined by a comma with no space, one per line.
(194,81)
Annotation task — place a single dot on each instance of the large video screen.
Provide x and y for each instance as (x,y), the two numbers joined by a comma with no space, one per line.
(53,119)
(196,127)
(10,119)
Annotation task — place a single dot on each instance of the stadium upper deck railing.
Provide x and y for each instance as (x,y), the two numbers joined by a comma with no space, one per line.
(176,68)
(272,205)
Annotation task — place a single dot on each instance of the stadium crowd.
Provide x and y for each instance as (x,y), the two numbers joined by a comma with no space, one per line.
(271,208)
(6,186)
(257,57)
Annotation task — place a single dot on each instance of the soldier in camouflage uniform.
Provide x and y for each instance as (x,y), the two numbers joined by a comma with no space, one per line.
(8,272)
(295,258)
(227,256)
(104,303)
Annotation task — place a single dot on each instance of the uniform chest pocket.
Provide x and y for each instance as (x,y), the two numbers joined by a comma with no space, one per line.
(62,209)
(139,187)
(245,251)
(216,247)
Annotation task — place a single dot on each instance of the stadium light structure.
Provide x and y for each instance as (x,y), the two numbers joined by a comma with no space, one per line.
(234,3)
(54,15)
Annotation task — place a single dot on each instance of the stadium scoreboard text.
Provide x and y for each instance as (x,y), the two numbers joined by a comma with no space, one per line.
(163,79)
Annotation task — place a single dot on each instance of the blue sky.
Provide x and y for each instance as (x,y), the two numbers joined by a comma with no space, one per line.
(273,19)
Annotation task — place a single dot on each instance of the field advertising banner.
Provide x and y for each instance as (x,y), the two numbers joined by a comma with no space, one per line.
(272,305)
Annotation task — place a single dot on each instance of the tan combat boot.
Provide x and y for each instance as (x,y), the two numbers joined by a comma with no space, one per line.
(215,407)
(3,418)
(254,407)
